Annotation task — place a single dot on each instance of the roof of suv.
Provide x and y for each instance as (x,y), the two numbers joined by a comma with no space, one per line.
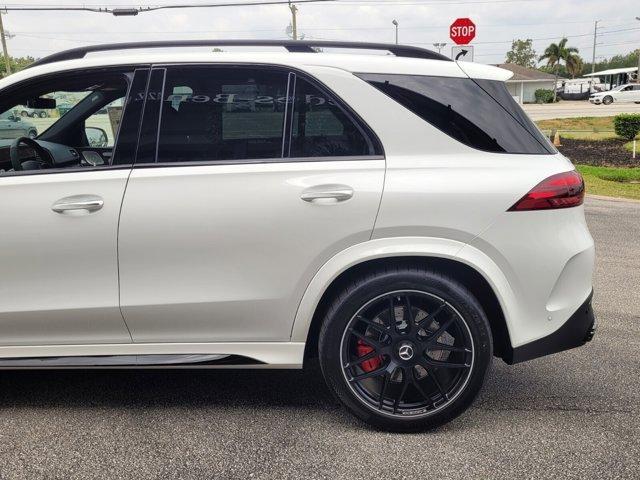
(400,59)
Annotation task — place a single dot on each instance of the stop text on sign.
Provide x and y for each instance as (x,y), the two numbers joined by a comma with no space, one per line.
(462,31)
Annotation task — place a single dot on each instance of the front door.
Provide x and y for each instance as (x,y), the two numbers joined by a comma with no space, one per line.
(58,248)
(247,194)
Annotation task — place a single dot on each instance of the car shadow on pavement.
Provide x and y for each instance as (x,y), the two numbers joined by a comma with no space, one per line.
(534,386)
(164,387)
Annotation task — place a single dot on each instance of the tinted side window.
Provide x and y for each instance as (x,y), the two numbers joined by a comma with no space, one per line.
(321,128)
(498,91)
(463,110)
(222,113)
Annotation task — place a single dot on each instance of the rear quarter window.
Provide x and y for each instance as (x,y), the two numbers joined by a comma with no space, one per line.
(480,114)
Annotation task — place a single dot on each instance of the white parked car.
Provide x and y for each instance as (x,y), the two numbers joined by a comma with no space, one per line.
(397,216)
(622,94)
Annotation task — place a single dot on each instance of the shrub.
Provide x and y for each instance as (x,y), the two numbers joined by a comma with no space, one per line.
(627,125)
(544,95)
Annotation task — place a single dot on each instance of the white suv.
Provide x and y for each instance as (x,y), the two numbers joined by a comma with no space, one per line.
(397,216)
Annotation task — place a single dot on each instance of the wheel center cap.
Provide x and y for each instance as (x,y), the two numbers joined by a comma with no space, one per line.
(406,351)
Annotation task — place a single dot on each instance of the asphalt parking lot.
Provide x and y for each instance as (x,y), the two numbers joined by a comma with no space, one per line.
(571,415)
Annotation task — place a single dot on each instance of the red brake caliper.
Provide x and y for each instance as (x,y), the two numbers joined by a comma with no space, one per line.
(368,365)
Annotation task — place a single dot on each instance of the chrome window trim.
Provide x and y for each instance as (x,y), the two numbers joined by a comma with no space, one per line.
(53,171)
(256,161)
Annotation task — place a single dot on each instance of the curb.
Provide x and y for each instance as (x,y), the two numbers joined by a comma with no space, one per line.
(613,199)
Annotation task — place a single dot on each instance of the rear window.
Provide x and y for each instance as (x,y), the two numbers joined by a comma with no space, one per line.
(478,113)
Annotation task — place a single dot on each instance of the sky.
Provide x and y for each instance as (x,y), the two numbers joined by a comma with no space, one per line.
(421,23)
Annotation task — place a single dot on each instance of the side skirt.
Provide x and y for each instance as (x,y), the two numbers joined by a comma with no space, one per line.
(129,361)
(185,355)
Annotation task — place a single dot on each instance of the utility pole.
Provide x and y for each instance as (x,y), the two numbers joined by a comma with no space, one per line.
(395,23)
(7,62)
(294,25)
(595,36)
(638,72)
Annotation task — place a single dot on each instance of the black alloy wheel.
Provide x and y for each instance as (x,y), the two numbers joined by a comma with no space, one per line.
(407,353)
(405,349)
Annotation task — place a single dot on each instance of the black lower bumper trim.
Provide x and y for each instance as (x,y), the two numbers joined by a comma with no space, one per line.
(578,330)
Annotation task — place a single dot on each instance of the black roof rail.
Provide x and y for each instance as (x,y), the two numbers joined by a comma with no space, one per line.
(290,45)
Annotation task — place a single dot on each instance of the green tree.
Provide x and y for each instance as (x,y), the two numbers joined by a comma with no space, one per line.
(617,61)
(522,53)
(574,65)
(17,64)
(555,54)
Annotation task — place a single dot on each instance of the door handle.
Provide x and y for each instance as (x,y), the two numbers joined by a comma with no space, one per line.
(327,194)
(78,204)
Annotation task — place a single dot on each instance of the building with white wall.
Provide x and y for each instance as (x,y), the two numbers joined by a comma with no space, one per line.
(526,81)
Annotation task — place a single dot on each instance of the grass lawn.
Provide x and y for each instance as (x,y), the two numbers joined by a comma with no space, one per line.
(586,128)
(612,181)
(608,181)
(593,124)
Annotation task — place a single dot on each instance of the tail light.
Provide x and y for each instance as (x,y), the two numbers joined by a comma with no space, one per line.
(558,191)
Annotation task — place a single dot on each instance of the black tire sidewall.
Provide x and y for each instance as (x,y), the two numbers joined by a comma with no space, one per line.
(358,294)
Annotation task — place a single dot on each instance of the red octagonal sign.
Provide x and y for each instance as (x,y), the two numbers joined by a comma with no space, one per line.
(462,31)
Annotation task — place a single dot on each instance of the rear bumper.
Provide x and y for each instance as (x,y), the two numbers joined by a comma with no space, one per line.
(575,332)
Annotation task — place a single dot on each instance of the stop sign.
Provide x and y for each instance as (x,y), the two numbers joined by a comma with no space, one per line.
(462,31)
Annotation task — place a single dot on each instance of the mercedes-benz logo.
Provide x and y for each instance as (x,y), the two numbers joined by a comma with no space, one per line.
(405,352)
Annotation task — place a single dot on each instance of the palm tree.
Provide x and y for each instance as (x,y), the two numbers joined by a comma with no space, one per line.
(574,65)
(555,54)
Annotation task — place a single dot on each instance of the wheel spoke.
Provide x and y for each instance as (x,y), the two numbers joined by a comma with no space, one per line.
(429,318)
(392,314)
(408,315)
(383,390)
(432,376)
(373,343)
(448,348)
(373,373)
(418,387)
(364,358)
(440,364)
(405,384)
(435,335)
(371,323)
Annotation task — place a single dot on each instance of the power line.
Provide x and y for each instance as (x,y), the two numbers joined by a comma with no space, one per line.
(122,11)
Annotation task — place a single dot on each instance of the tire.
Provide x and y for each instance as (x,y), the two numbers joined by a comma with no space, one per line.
(357,317)
(608,100)
(24,113)
(43,115)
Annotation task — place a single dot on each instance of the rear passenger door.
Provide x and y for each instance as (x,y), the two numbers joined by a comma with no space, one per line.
(258,177)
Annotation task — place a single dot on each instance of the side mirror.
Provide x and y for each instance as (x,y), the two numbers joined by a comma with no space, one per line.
(96,137)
